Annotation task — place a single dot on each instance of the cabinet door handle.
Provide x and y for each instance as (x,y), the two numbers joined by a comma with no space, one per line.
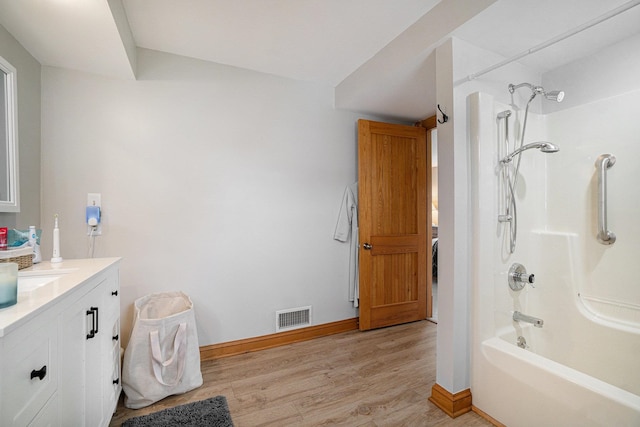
(97,317)
(116,381)
(115,337)
(93,312)
(40,374)
(114,293)
(92,332)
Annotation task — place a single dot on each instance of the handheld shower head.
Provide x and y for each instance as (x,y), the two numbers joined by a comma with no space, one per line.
(547,147)
(544,146)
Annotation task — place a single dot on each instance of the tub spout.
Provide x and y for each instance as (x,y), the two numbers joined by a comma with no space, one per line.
(519,317)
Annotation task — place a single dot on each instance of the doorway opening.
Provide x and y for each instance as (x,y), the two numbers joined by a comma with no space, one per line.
(434,225)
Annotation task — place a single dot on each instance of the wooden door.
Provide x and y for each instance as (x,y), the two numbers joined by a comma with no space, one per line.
(394,222)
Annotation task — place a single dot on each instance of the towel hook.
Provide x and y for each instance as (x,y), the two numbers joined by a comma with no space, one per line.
(445,118)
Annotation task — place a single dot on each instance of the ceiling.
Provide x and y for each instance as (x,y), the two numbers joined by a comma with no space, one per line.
(312,40)
(378,54)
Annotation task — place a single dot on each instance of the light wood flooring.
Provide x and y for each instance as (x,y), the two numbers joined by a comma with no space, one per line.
(376,378)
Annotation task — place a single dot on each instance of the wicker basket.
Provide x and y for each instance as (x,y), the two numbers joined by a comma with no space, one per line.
(23,257)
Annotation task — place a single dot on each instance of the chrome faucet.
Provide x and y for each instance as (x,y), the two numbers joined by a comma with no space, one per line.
(519,317)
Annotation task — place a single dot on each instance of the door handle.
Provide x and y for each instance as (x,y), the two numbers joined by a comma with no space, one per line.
(367,246)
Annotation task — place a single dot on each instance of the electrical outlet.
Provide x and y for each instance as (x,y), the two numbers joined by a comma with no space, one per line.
(95,199)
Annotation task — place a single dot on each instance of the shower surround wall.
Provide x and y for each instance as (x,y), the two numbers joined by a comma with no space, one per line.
(611,125)
(581,365)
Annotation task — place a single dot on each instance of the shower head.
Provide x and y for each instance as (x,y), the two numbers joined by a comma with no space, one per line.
(554,95)
(544,146)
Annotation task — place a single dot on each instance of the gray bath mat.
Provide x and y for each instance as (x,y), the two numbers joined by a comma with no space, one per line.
(212,412)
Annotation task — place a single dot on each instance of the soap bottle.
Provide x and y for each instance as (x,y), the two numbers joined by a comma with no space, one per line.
(33,242)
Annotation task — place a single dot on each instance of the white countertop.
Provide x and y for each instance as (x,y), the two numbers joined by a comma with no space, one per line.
(69,273)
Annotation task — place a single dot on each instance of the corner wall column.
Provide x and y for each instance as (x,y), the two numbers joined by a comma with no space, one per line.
(451,392)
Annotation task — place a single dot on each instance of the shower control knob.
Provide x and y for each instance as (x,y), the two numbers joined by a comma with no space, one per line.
(526,278)
(518,277)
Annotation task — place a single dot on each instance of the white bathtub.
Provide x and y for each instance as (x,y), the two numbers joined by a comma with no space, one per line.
(540,392)
(579,369)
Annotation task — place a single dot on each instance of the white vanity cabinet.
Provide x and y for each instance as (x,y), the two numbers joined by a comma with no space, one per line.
(60,348)
(87,345)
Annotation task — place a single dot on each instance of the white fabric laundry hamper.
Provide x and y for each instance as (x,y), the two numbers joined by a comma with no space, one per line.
(163,356)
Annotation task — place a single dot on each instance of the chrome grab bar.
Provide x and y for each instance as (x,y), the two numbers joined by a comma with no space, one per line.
(604,162)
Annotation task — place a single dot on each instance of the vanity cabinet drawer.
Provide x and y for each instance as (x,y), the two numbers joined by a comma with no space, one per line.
(111,297)
(30,369)
(114,386)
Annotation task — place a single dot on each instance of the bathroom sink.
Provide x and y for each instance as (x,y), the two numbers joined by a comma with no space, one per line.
(31,283)
(32,279)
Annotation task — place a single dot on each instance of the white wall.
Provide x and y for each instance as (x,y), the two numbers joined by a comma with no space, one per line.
(28,78)
(217,181)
